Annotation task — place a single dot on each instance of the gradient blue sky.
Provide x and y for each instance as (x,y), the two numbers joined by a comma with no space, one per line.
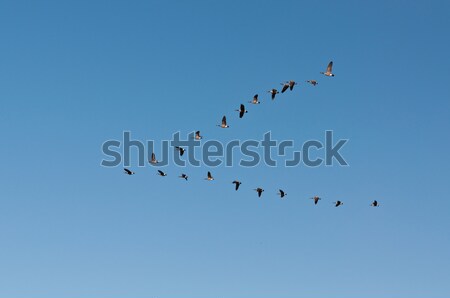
(76,73)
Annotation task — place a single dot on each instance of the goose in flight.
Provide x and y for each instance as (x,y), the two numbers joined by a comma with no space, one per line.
(161,173)
(338,203)
(180,149)
(375,203)
(329,73)
(255,100)
(184,176)
(153,160)
(259,190)
(224,123)
(285,86)
(237,184)
(197,135)
(242,111)
(312,82)
(282,194)
(273,92)
(288,84)
(210,177)
(316,199)
(128,172)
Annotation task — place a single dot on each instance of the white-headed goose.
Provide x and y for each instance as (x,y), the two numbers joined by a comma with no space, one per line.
(329,73)
(128,172)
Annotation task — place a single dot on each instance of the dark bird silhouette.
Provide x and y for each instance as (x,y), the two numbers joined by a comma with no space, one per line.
(242,111)
(209,177)
(180,149)
(153,159)
(237,184)
(288,84)
(338,203)
(184,176)
(259,191)
(316,199)
(329,73)
(128,172)
(273,92)
(282,194)
(375,203)
(224,123)
(285,87)
(255,100)
(312,82)
(161,173)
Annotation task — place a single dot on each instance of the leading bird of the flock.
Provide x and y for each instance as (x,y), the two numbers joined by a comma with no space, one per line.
(224,123)
(153,160)
(180,149)
(242,111)
(282,193)
(288,84)
(128,172)
(316,199)
(329,73)
(237,184)
(184,176)
(161,173)
(338,203)
(312,82)
(255,100)
(197,135)
(375,203)
(259,190)
(273,92)
(209,177)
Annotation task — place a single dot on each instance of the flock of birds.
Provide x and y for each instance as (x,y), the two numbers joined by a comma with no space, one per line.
(242,111)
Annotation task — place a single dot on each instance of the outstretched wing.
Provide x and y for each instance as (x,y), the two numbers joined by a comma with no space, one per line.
(330,67)
(224,121)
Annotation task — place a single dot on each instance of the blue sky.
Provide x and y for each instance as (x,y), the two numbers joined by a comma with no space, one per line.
(77,73)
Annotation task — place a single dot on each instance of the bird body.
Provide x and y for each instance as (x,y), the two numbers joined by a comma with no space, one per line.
(224,123)
(209,177)
(273,92)
(153,159)
(128,172)
(184,176)
(282,193)
(255,100)
(259,190)
(316,199)
(375,203)
(197,135)
(180,149)
(237,184)
(242,111)
(161,173)
(338,203)
(312,82)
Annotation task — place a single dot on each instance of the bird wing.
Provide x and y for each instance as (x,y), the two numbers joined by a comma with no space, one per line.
(161,172)
(330,67)
(209,175)
(224,120)
(284,88)
(128,171)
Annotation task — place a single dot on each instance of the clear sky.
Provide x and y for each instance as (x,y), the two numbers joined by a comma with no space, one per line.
(74,74)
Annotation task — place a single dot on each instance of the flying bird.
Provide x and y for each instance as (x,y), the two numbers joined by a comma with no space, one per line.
(128,172)
(259,191)
(312,82)
(273,92)
(255,100)
(237,184)
(224,123)
(282,194)
(329,73)
(210,177)
(316,199)
(161,173)
(153,159)
(242,111)
(285,86)
(197,135)
(180,149)
(375,203)
(338,203)
(184,176)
